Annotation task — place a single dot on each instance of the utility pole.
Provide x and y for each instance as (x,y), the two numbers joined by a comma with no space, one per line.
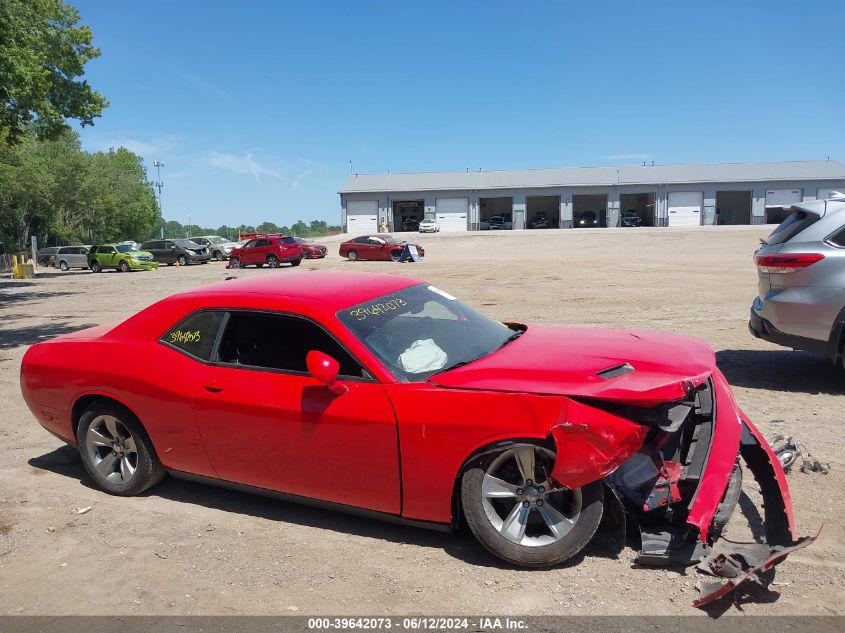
(188,228)
(158,183)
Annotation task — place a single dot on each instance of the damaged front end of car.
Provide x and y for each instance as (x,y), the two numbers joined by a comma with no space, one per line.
(674,470)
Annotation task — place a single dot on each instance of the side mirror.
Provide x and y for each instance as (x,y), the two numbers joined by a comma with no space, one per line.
(325,369)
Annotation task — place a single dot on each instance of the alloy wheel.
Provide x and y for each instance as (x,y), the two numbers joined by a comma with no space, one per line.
(521,502)
(112,450)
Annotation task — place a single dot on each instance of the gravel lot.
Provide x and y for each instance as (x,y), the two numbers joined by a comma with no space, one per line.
(186,548)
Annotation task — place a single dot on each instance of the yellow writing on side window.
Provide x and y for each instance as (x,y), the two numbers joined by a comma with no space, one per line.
(377,309)
(181,336)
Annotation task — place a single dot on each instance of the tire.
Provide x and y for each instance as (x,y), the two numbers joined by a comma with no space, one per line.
(63,266)
(555,524)
(183,261)
(395,255)
(272,261)
(352,256)
(259,265)
(96,268)
(123,266)
(296,262)
(217,255)
(236,262)
(115,467)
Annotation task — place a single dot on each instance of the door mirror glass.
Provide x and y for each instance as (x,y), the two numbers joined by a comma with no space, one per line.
(325,369)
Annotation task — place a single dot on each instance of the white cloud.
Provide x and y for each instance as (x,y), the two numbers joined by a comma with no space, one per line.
(245,164)
(633,156)
(133,145)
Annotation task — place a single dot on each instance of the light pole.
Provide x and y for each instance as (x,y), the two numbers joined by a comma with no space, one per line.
(158,165)
(189,226)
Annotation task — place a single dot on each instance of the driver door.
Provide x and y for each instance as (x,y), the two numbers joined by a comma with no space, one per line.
(266,422)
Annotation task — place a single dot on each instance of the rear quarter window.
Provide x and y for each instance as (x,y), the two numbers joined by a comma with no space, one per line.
(838,238)
(196,334)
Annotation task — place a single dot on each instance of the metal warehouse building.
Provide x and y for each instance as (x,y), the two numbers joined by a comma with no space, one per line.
(648,195)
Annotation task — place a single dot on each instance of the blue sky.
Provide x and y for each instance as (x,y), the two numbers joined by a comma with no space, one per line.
(257,107)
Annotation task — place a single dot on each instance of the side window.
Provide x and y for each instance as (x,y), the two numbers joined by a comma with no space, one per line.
(362,240)
(263,243)
(274,341)
(838,238)
(287,240)
(110,249)
(195,335)
(250,244)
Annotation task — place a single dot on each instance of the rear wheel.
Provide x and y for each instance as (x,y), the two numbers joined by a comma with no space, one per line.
(96,268)
(123,266)
(116,451)
(296,262)
(63,265)
(520,515)
(272,261)
(352,256)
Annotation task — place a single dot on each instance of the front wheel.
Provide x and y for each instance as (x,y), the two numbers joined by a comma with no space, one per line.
(116,451)
(63,266)
(216,255)
(352,256)
(520,515)
(183,261)
(236,262)
(123,267)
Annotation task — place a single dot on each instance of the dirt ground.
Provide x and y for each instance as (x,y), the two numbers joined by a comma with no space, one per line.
(186,548)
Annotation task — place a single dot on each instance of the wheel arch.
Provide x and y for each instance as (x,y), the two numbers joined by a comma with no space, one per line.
(479,452)
(836,343)
(87,399)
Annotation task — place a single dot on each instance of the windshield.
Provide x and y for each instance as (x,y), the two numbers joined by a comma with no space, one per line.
(422,331)
(300,240)
(389,239)
(186,244)
(217,240)
(126,248)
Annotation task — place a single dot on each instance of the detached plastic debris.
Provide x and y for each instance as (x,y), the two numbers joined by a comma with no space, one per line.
(789,451)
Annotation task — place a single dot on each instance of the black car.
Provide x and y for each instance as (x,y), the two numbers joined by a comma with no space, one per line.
(541,221)
(631,218)
(177,251)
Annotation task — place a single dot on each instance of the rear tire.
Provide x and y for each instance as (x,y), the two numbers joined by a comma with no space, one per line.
(116,451)
(518,516)
(96,268)
(63,266)
(296,262)
(272,261)
(352,256)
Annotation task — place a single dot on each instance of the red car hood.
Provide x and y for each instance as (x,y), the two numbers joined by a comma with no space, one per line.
(567,361)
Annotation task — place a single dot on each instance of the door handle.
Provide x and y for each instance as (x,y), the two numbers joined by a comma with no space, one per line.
(213,388)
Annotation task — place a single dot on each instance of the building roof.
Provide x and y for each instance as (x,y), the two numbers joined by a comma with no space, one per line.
(597,176)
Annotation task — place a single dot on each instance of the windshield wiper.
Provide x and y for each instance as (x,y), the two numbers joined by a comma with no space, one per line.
(511,338)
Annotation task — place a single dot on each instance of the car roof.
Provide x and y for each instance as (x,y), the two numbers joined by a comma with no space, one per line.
(821,207)
(334,290)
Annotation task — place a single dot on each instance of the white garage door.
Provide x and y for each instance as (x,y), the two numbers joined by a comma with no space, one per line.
(362,216)
(685,208)
(452,214)
(782,197)
(825,194)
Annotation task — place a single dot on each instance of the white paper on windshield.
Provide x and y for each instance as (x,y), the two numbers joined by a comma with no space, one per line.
(422,356)
(442,293)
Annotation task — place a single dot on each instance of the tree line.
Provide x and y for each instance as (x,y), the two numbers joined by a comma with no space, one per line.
(316,228)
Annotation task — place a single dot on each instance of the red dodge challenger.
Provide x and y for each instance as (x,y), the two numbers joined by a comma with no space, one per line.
(387,395)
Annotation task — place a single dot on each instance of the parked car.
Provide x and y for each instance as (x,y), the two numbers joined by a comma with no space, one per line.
(587,219)
(429,225)
(44,256)
(527,434)
(272,250)
(312,249)
(496,222)
(177,251)
(381,247)
(68,257)
(121,257)
(218,247)
(410,224)
(801,290)
(631,218)
(541,221)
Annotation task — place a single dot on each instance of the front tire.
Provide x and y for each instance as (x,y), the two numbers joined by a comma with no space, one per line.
(352,256)
(63,266)
(520,515)
(116,451)
(123,267)
(183,261)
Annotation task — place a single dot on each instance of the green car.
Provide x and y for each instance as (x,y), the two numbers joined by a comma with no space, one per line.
(122,257)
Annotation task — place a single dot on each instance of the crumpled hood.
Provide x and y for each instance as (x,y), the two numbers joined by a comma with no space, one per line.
(567,361)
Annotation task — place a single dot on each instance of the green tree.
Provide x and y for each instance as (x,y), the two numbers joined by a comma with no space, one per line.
(267,227)
(43,53)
